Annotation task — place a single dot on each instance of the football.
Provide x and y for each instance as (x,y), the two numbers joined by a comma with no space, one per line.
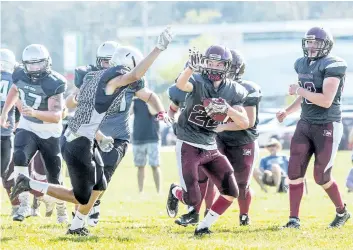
(219,117)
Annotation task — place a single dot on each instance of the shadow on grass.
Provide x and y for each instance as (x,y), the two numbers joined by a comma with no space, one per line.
(5,239)
(53,226)
(76,239)
(228,230)
(94,238)
(249,230)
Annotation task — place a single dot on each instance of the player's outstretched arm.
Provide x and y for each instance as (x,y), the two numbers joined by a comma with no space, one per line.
(193,64)
(182,82)
(11,99)
(54,113)
(139,71)
(150,98)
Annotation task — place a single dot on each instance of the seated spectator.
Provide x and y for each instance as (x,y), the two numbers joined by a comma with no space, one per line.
(273,168)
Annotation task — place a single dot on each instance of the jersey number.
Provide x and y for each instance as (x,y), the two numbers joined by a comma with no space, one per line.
(123,103)
(198,116)
(4,89)
(308,86)
(35,99)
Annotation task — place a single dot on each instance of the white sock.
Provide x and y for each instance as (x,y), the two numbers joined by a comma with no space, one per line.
(190,209)
(210,218)
(175,189)
(21,170)
(39,186)
(78,221)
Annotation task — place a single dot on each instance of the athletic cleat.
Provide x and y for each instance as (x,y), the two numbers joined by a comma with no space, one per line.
(24,210)
(61,212)
(244,220)
(293,222)
(340,219)
(172,202)
(93,216)
(79,231)
(202,232)
(191,218)
(21,185)
(14,210)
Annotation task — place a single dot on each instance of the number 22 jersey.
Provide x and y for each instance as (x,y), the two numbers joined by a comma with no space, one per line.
(194,126)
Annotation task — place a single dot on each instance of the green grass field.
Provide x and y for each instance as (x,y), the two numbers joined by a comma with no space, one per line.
(133,221)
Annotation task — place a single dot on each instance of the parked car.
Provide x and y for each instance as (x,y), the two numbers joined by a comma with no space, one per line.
(269,127)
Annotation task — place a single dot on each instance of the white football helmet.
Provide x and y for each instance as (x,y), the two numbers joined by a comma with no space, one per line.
(105,51)
(36,60)
(126,56)
(7,60)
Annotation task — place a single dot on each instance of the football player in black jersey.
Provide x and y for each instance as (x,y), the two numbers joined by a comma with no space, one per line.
(321,79)
(40,90)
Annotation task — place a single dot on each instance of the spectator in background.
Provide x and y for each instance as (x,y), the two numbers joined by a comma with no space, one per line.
(273,168)
(349,182)
(146,142)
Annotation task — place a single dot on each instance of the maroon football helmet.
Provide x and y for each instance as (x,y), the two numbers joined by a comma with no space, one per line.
(238,66)
(317,43)
(214,55)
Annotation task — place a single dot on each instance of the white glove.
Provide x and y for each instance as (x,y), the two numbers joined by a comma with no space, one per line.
(194,59)
(106,144)
(164,39)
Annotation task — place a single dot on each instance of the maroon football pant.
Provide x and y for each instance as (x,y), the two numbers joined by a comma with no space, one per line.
(322,140)
(215,165)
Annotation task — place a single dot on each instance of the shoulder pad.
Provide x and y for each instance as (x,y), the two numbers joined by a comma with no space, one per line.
(112,72)
(176,95)
(19,74)
(80,73)
(254,93)
(54,84)
(240,93)
(334,61)
(250,86)
(297,62)
(333,67)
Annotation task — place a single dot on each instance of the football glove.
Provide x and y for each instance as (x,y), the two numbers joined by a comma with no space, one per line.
(164,39)
(106,144)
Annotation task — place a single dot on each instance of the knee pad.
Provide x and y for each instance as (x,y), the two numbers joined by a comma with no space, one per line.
(204,180)
(108,173)
(294,172)
(243,191)
(229,185)
(20,158)
(83,195)
(321,177)
(192,199)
